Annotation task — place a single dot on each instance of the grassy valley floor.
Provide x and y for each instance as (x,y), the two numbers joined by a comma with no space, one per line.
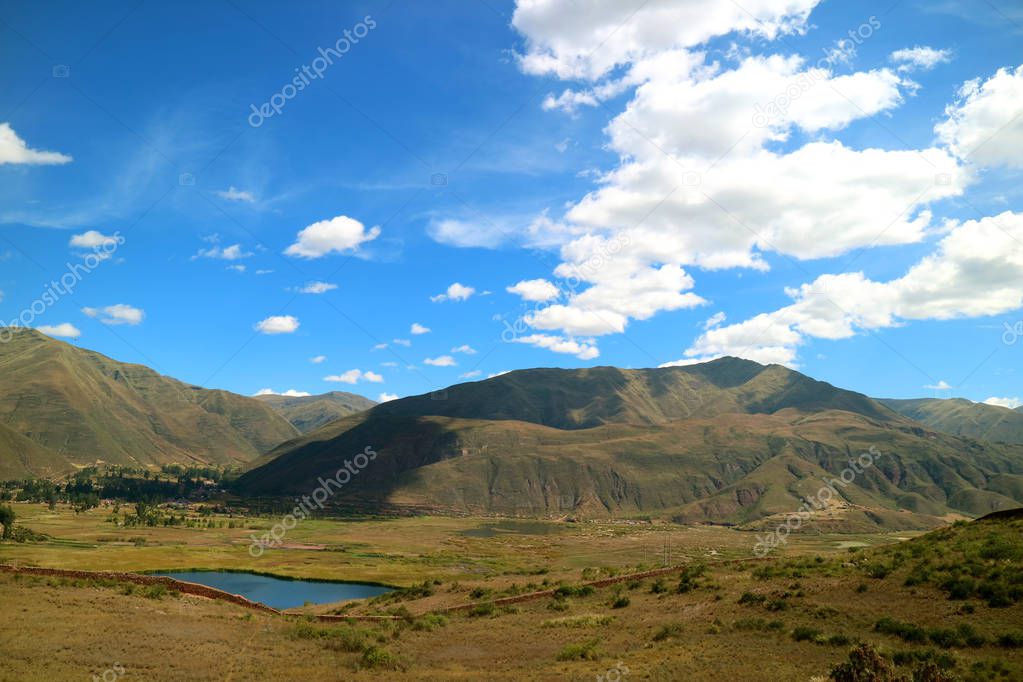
(788,618)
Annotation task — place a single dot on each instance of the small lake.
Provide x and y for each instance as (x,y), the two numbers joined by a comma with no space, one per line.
(279,593)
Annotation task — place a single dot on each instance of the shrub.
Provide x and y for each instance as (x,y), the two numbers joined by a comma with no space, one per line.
(586,651)
(865,664)
(375,657)
(668,631)
(620,602)
(805,634)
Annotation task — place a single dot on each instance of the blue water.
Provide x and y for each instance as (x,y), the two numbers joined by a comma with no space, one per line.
(278,593)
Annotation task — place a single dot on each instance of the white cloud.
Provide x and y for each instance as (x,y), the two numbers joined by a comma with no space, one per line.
(940,386)
(336,235)
(455,292)
(714,320)
(290,393)
(534,290)
(317,288)
(572,40)
(234,194)
(417,329)
(441,361)
(386,397)
(117,314)
(719,162)
(584,350)
(1011,403)
(470,375)
(379,346)
(317,360)
(985,124)
(14,150)
(278,324)
(93,239)
(497,374)
(64,330)
(233,252)
(464,348)
(236,268)
(466,234)
(403,342)
(354,376)
(920,58)
(975,271)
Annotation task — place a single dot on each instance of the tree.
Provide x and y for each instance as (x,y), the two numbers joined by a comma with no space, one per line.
(7,520)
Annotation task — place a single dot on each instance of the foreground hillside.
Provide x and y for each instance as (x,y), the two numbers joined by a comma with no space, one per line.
(728,441)
(79,407)
(961,417)
(308,413)
(945,606)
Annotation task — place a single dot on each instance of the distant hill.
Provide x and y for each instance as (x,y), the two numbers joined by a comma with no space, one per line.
(79,407)
(725,441)
(308,413)
(961,417)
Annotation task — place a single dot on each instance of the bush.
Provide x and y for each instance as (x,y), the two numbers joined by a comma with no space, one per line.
(668,631)
(805,634)
(482,610)
(377,658)
(620,602)
(586,651)
(865,664)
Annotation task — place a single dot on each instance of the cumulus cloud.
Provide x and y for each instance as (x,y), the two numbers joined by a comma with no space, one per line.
(417,329)
(942,385)
(703,181)
(539,290)
(975,271)
(983,111)
(290,393)
(471,374)
(441,361)
(318,359)
(64,330)
(455,292)
(464,348)
(278,324)
(93,239)
(234,194)
(1011,403)
(353,376)
(117,314)
(336,235)
(14,150)
(386,397)
(317,288)
(920,58)
(584,350)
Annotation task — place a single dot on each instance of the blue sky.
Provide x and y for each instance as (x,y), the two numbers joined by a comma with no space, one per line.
(438,149)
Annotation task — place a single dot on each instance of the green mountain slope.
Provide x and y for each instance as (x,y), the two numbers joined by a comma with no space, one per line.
(83,407)
(308,413)
(961,417)
(727,441)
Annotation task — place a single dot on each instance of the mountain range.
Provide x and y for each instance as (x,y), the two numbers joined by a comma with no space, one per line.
(62,406)
(308,413)
(727,441)
(961,417)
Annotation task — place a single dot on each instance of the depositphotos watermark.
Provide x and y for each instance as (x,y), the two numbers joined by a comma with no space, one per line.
(64,286)
(812,505)
(616,673)
(304,509)
(1012,333)
(307,73)
(111,674)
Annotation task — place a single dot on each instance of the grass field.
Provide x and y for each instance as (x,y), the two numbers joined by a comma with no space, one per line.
(788,618)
